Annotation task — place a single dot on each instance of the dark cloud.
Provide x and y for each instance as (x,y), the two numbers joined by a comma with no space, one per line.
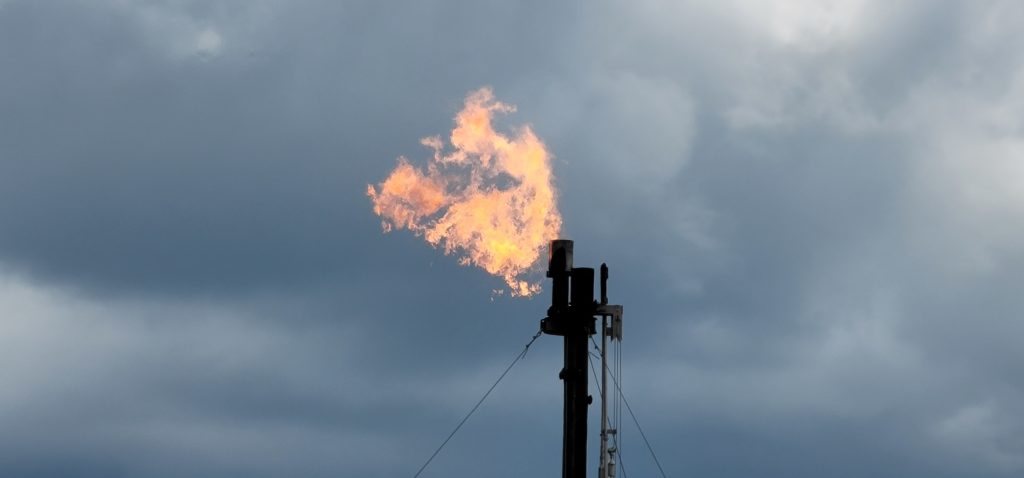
(171,170)
(809,209)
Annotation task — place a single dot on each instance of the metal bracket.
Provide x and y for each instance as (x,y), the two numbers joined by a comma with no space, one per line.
(615,312)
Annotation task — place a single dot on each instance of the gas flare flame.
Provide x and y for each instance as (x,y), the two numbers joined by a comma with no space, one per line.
(490,198)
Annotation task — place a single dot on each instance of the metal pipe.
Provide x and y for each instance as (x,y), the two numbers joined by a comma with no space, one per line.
(578,399)
(602,470)
(572,316)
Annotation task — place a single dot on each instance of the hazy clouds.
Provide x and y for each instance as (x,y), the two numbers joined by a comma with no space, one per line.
(811,209)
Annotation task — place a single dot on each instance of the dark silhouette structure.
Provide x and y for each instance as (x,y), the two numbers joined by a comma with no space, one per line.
(572,316)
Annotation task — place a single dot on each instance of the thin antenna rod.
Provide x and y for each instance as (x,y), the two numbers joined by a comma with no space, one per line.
(602,470)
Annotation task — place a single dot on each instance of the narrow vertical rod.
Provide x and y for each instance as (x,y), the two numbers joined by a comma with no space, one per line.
(602,471)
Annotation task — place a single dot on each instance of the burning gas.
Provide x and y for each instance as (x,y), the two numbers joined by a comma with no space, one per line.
(489,198)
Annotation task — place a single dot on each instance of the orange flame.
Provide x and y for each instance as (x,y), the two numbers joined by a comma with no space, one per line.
(490,199)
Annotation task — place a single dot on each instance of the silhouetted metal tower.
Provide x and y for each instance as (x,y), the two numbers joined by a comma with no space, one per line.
(572,316)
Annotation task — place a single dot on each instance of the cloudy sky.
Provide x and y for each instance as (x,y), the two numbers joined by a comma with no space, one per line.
(812,210)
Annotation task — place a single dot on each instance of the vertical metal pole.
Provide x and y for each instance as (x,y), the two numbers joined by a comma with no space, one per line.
(571,316)
(558,322)
(602,471)
(581,327)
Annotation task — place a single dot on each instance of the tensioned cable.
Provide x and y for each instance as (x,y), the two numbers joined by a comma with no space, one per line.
(496,382)
(616,400)
(635,422)
(612,420)
(620,436)
(597,381)
(618,450)
(622,464)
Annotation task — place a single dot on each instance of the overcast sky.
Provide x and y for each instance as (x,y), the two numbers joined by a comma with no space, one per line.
(812,211)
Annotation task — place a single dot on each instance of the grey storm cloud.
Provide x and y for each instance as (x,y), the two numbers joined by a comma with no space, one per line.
(811,211)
